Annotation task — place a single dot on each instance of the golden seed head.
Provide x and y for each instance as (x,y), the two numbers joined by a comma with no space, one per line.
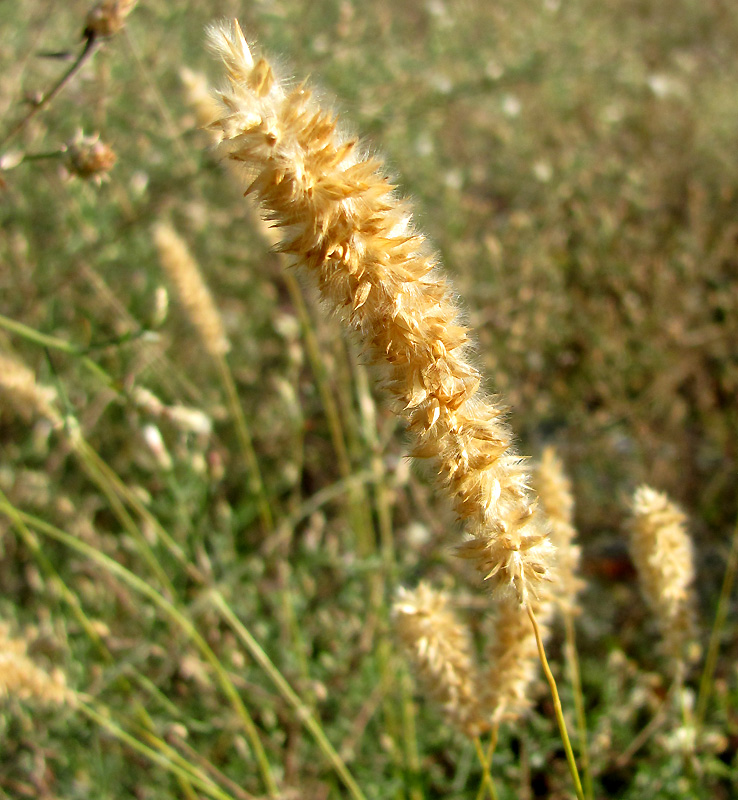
(441,651)
(663,556)
(557,504)
(351,232)
(512,656)
(184,273)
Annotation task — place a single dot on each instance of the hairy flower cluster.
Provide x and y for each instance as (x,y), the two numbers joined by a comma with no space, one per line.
(513,659)
(662,553)
(346,226)
(440,647)
(441,651)
(557,503)
(184,273)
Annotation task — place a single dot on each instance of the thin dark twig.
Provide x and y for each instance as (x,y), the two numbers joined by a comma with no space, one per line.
(91,42)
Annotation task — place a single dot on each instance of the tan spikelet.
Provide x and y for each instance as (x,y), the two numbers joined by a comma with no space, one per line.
(512,658)
(346,226)
(663,556)
(21,391)
(194,295)
(557,504)
(441,651)
(21,677)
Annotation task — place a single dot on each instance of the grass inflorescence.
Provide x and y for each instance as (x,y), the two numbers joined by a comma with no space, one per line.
(220,573)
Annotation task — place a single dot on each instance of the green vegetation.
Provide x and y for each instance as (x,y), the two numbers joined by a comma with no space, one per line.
(224,619)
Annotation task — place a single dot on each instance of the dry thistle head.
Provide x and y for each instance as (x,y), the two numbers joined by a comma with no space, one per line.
(20,677)
(347,228)
(557,504)
(663,556)
(441,651)
(185,275)
(89,158)
(28,397)
(108,17)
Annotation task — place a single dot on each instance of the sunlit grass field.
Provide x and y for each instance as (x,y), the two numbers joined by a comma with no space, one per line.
(207,546)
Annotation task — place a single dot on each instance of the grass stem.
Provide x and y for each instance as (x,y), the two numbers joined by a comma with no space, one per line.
(557,708)
(302,711)
(576,683)
(713,648)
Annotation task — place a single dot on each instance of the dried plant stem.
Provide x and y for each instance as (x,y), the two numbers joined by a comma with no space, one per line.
(246,443)
(572,658)
(312,349)
(193,756)
(302,711)
(410,737)
(713,648)
(485,759)
(89,47)
(570,760)
(646,733)
(176,616)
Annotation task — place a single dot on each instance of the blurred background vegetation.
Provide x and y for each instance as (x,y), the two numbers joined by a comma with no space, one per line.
(574,164)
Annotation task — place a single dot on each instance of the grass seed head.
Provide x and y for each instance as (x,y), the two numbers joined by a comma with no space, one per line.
(441,651)
(557,503)
(184,273)
(345,225)
(663,556)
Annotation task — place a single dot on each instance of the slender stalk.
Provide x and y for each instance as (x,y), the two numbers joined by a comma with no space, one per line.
(302,711)
(410,736)
(88,49)
(713,648)
(327,399)
(487,763)
(572,658)
(182,622)
(485,759)
(645,734)
(91,465)
(181,769)
(246,443)
(54,343)
(557,707)
(47,567)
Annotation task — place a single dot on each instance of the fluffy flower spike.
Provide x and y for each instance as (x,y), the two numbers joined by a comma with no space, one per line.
(347,228)
(663,556)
